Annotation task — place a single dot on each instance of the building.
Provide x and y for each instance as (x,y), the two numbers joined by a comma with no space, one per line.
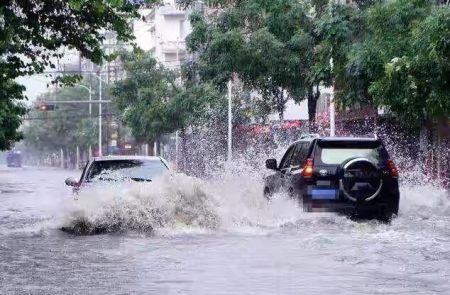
(163,32)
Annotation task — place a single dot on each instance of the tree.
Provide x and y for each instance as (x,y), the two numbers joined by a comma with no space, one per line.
(266,43)
(10,113)
(282,49)
(414,83)
(385,53)
(67,126)
(155,101)
(402,63)
(338,28)
(32,32)
(143,95)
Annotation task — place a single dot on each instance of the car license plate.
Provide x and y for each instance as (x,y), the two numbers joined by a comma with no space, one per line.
(323,194)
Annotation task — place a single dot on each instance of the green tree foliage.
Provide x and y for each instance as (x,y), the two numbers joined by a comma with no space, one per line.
(154,101)
(282,49)
(386,53)
(402,62)
(268,44)
(67,126)
(31,32)
(10,112)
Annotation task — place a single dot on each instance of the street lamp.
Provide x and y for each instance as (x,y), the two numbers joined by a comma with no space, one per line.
(230,119)
(100,153)
(89,89)
(332,106)
(90,107)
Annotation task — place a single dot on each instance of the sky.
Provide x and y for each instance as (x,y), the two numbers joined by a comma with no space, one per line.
(35,85)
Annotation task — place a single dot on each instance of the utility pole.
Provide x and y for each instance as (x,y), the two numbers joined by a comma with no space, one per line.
(100,153)
(178,53)
(90,109)
(332,106)
(230,121)
(177,139)
(90,101)
(100,102)
(62,158)
(77,160)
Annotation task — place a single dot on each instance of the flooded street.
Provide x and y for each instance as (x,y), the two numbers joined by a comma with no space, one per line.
(215,237)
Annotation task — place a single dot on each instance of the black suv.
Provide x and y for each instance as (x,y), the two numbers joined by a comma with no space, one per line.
(348,175)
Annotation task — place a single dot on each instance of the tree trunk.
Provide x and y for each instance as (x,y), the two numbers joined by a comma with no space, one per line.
(151,148)
(424,146)
(183,152)
(280,104)
(313,97)
(281,115)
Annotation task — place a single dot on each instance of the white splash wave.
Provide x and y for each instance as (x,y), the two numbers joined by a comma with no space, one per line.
(177,202)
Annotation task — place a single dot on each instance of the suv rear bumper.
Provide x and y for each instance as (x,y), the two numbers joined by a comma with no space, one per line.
(345,208)
(386,202)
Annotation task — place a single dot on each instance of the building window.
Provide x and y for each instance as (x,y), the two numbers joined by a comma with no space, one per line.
(170,57)
(181,29)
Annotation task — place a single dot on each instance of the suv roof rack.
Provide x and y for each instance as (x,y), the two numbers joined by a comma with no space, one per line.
(309,136)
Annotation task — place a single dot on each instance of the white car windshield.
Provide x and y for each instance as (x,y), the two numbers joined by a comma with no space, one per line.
(138,170)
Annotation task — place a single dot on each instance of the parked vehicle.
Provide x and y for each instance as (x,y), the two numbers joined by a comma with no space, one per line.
(14,159)
(119,168)
(348,175)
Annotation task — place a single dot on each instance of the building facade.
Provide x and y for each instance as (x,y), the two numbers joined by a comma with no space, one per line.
(163,31)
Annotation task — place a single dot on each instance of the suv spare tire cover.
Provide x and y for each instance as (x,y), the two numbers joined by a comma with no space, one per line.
(360,179)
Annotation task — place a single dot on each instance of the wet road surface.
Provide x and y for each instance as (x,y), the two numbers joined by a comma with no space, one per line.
(187,236)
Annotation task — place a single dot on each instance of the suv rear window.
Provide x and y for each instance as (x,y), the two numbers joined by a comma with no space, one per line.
(337,156)
(334,153)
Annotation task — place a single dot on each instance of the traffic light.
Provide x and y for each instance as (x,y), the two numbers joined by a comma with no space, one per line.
(46,107)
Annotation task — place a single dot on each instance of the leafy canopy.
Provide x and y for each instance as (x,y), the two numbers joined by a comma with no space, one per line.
(268,44)
(403,61)
(32,32)
(67,126)
(386,53)
(153,102)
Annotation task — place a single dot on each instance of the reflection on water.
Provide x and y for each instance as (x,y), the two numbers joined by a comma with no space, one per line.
(180,235)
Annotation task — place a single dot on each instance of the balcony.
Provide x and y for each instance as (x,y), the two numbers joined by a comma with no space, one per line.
(170,11)
(173,47)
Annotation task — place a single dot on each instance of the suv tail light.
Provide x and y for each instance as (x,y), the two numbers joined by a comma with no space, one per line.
(308,169)
(392,168)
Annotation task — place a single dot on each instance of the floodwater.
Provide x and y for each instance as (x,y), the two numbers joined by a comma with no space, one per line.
(179,235)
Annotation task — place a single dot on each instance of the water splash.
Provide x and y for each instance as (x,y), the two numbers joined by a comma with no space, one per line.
(420,203)
(177,202)
(230,201)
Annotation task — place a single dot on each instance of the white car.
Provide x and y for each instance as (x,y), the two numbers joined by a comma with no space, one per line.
(117,168)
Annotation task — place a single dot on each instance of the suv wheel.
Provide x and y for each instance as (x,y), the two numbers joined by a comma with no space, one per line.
(390,211)
(268,193)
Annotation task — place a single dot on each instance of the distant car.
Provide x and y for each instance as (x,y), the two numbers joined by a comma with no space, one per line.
(119,168)
(14,159)
(349,175)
